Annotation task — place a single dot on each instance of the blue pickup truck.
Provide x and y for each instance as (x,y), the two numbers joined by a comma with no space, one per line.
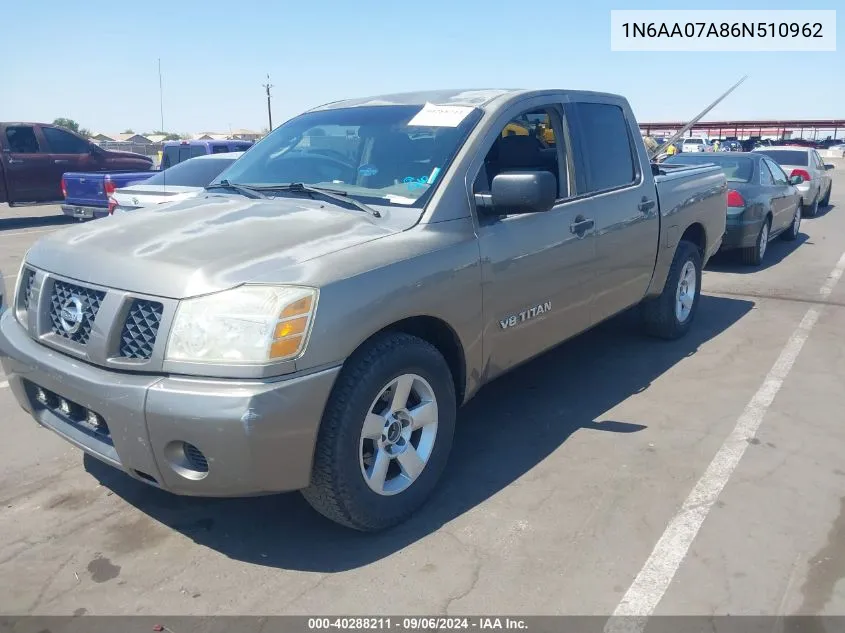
(87,194)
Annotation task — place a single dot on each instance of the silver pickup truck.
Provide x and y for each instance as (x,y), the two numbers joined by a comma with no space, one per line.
(315,319)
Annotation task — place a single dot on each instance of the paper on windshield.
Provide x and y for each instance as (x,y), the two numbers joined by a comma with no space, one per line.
(440,115)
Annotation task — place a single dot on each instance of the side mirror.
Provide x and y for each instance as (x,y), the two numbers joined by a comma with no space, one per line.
(796,180)
(520,192)
(828,166)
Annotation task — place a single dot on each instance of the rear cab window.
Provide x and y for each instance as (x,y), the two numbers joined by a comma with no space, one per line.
(21,139)
(63,142)
(606,147)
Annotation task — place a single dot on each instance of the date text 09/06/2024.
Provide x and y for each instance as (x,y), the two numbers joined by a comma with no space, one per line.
(415,623)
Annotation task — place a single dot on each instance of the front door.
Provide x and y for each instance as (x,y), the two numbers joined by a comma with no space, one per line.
(536,267)
(621,199)
(27,163)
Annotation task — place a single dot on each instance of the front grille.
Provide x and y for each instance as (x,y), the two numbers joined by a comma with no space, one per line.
(73,310)
(26,287)
(140,329)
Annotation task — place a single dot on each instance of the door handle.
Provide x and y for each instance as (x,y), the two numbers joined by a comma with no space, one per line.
(15,161)
(580,226)
(60,161)
(646,205)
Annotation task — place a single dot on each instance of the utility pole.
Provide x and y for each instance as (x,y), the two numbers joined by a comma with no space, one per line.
(267,87)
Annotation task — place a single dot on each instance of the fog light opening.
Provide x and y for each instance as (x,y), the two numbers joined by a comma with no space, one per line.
(186,460)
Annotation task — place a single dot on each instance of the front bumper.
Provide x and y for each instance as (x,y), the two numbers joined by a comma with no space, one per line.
(257,436)
(741,232)
(83,212)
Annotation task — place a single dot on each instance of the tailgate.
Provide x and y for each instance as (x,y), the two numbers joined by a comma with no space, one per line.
(85,189)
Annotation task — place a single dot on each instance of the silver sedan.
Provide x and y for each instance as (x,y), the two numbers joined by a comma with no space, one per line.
(804,162)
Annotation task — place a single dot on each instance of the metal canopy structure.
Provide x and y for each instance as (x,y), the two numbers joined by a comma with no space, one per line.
(785,128)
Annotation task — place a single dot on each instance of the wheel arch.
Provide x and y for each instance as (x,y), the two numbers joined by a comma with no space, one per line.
(696,234)
(439,334)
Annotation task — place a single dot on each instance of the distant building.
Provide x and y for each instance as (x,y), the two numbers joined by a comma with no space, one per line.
(246,135)
(210,136)
(156,138)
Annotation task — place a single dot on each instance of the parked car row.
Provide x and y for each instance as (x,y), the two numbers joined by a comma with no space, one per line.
(46,163)
(771,189)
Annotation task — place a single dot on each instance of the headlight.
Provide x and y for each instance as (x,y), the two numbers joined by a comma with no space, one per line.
(250,324)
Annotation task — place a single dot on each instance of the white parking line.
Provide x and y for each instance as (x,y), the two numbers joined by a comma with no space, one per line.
(29,232)
(648,588)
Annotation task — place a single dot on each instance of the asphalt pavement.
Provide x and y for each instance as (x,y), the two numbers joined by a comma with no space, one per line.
(615,473)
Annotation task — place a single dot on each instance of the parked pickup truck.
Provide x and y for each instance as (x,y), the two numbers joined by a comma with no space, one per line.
(87,194)
(33,157)
(315,320)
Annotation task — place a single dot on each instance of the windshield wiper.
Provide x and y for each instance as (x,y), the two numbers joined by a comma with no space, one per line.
(246,191)
(331,194)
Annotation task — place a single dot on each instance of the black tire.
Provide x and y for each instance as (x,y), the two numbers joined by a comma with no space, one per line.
(751,256)
(659,316)
(812,210)
(338,489)
(826,200)
(792,231)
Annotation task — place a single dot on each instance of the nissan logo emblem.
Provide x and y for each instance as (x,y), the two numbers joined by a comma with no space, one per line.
(70,316)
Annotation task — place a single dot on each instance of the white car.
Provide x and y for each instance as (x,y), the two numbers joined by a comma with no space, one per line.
(805,162)
(696,145)
(174,184)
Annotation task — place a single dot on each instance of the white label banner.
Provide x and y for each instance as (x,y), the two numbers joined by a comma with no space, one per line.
(723,30)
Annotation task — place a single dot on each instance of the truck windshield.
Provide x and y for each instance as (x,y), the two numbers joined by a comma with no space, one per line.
(368,152)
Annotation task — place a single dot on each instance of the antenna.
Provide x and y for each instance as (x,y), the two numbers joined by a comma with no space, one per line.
(160,96)
(689,125)
(267,87)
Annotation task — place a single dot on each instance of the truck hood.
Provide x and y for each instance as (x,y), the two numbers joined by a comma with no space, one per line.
(209,243)
(117,154)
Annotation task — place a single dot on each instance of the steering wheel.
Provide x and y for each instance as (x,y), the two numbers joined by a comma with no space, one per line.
(345,165)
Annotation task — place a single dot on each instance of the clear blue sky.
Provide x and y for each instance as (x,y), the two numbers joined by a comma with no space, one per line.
(95,60)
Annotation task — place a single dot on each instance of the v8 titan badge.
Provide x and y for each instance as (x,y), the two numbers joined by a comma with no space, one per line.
(525,315)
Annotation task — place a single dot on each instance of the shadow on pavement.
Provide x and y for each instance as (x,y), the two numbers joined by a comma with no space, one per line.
(504,432)
(823,211)
(776,252)
(33,222)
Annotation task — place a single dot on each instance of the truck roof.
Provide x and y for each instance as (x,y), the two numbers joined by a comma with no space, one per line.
(479,98)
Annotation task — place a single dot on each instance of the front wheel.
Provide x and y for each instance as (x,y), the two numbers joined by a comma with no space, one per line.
(386,434)
(671,314)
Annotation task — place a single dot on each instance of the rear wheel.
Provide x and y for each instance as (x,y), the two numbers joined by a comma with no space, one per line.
(753,255)
(670,315)
(826,200)
(386,434)
(813,209)
(792,232)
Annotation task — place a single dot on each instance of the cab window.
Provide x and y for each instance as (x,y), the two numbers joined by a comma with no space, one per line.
(528,142)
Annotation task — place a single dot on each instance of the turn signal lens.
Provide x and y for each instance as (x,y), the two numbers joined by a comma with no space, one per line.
(303,306)
(288,328)
(285,347)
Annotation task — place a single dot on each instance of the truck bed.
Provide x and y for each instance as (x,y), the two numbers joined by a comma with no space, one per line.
(85,192)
